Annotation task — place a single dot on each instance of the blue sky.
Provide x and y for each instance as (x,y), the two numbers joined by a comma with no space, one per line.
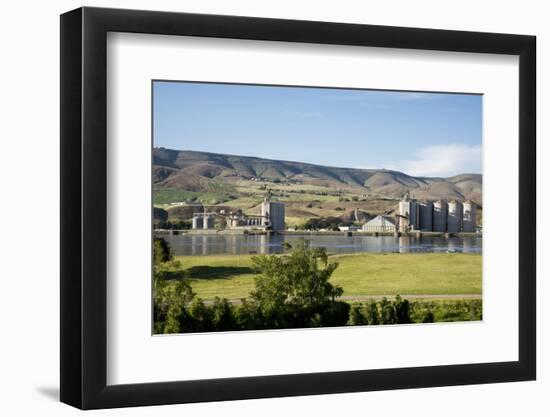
(426,134)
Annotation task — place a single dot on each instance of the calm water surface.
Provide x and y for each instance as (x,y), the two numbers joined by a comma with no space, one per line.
(261,244)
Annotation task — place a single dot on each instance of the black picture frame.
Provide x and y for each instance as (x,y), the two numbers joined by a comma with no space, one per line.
(84,207)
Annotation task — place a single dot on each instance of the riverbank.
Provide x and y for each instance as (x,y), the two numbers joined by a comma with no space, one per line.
(261,232)
(362,275)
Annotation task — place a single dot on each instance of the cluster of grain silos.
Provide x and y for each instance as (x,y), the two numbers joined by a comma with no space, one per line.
(439,216)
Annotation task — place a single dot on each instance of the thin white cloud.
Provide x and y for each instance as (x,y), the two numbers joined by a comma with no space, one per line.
(443,161)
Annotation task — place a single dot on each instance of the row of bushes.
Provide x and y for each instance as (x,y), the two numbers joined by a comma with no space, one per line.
(400,311)
(446,310)
(385,311)
(221,315)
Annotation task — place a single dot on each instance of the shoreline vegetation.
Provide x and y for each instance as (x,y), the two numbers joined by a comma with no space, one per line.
(306,287)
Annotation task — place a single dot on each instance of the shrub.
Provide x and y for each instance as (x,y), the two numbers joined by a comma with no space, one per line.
(371,315)
(402,310)
(201,315)
(247,316)
(223,318)
(387,312)
(427,317)
(336,314)
(356,316)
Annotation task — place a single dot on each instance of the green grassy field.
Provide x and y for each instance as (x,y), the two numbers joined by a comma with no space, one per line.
(218,194)
(365,274)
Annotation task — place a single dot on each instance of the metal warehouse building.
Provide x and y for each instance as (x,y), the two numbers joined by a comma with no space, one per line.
(380,224)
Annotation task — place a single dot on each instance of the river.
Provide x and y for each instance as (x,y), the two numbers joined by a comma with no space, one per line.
(192,244)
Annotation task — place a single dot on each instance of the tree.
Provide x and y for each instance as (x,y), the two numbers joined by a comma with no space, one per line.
(301,278)
(161,251)
(169,297)
(291,289)
(169,300)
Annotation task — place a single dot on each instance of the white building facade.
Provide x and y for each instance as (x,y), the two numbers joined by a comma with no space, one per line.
(380,224)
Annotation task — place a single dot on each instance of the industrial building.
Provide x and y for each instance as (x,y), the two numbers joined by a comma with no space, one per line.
(272,217)
(273,214)
(439,216)
(380,224)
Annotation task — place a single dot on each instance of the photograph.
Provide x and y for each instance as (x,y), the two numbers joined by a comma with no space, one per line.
(280,207)
(305,203)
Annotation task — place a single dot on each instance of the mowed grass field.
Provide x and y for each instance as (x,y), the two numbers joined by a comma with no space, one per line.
(364,274)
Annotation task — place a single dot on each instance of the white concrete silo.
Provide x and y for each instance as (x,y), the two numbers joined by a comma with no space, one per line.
(454,217)
(197,221)
(469,218)
(208,222)
(440,216)
(409,215)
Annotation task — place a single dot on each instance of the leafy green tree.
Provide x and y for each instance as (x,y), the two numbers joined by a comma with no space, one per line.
(271,291)
(172,320)
(161,251)
(169,300)
(291,289)
(301,278)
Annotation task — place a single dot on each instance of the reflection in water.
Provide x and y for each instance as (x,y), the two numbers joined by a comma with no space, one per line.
(192,244)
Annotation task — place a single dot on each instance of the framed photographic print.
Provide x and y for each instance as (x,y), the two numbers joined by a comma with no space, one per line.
(258,207)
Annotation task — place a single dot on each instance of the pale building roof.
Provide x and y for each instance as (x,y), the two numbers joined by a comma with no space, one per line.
(380,220)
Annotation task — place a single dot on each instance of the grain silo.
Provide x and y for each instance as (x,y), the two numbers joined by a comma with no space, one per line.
(426,215)
(208,222)
(454,217)
(273,214)
(469,218)
(197,221)
(440,216)
(409,214)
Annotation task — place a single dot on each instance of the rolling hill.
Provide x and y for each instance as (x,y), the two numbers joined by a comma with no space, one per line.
(205,172)
(186,181)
